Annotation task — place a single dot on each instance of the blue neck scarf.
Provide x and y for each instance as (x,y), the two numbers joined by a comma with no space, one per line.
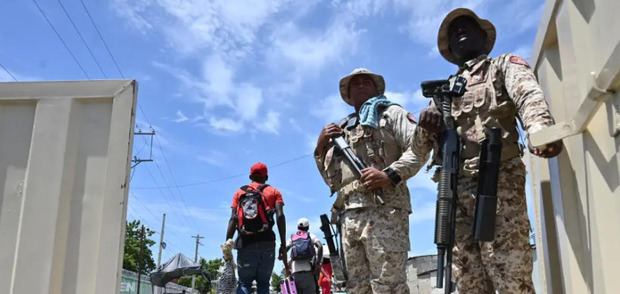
(369,112)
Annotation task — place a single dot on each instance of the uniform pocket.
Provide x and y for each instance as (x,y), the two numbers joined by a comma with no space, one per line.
(389,230)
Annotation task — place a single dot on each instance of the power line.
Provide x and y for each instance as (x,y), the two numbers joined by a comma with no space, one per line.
(188,223)
(167,164)
(92,21)
(61,39)
(82,38)
(7,71)
(224,178)
(180,197)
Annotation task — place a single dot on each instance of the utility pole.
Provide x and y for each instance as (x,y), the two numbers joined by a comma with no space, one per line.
(137,160)
(161,240)
(140,258)
(197,237)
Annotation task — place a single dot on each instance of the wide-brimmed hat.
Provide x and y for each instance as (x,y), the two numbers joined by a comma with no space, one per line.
(443,40)
(344,83)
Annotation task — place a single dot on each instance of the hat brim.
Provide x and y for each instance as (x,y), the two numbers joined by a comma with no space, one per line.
(344,85)
(443,40)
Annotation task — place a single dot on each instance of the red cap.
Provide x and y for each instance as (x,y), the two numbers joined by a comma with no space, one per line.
(258,169)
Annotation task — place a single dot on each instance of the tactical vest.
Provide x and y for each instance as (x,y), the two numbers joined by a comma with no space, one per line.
(485,104)
(376,148)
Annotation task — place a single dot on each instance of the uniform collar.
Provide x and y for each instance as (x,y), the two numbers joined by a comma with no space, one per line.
(470,64)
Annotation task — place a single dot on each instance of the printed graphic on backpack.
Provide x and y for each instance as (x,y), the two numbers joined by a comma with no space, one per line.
(252,211)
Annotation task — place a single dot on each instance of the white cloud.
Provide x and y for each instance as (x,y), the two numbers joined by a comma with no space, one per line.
(229,105)
(331,109)
(218,80)
(362,7)
(271,123)
(426,16)
(133,11)
(396,97)
(191,25)
(248,100)
(310,51)
(215,158)
(411,101)
(180,117)
(225,124)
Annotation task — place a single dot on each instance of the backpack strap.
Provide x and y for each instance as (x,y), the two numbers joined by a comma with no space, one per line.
(245,188)
(262,187)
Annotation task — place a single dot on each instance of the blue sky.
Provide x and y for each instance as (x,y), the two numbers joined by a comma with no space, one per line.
(228,83)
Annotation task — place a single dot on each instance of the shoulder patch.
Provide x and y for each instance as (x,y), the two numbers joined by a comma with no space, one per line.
(411,117)
(518,60)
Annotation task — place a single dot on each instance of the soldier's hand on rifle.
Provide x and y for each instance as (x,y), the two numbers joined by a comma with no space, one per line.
(430,119)
(374,179)
(329,131)
(550,150)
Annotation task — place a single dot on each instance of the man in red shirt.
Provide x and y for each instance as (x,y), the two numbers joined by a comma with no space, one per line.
(256,247)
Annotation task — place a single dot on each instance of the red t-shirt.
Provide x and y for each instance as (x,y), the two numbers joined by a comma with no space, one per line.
(272,196)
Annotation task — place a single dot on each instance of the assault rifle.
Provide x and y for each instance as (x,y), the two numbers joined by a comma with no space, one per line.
(356,164)
(442,92)
(336,255)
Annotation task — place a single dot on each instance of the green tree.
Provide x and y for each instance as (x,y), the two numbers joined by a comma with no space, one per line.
(203,285)
(132,248)
(276,280)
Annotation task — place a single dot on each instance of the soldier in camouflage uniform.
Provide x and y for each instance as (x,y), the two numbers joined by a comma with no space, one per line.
(375,237)
(499,91)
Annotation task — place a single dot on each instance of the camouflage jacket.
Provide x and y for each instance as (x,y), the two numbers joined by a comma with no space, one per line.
(499,91)
(389,145)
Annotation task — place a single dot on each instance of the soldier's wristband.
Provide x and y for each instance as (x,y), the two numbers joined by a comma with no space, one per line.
(393,175)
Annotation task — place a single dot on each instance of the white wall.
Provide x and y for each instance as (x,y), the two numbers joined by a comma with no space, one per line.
(65,149)
(577,60)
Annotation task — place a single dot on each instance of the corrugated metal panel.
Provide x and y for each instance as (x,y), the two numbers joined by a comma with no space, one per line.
(65,150)
(577,61)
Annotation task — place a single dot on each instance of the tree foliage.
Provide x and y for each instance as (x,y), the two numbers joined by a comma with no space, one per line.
(276,280)
(132,248)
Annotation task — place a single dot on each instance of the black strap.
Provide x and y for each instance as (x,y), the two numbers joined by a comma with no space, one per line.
(260,188)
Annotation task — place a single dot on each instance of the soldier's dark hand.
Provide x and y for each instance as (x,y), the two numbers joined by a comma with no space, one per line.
(282,253)
(329,131)
(373,179)
(430,119)
(550,150)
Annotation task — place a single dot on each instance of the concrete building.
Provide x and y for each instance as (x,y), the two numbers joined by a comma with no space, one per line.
(422,275)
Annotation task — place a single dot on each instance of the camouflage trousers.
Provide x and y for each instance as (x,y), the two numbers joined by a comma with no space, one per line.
(505,264)
(375,243)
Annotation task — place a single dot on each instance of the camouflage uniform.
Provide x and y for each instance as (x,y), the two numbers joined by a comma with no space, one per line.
(499,90)
(375,237)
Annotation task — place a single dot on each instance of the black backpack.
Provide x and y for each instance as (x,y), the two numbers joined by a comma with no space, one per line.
(254,216)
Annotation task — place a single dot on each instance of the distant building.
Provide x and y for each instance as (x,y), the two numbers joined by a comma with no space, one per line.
(422,275)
